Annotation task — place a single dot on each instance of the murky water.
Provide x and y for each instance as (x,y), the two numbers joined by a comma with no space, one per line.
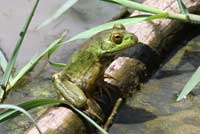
(154,110)
(13,13)
(156,100)
(83,15)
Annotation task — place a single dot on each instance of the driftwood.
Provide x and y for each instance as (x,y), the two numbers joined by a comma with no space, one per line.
(127,73)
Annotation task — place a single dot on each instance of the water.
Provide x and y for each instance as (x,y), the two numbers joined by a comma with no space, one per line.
(13,13)
(84,15)
(156,100)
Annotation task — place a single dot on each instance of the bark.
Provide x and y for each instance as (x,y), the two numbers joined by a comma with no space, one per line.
(125,74)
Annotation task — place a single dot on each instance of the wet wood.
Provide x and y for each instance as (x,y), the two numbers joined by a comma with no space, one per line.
(123,71)
(59,120)
(157,33)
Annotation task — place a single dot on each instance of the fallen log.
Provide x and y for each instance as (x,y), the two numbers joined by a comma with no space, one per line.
(125,73)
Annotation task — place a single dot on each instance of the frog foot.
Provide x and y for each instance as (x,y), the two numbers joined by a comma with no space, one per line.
(69,91)
(94,110)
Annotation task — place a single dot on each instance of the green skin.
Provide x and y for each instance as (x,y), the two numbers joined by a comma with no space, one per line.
(77,80)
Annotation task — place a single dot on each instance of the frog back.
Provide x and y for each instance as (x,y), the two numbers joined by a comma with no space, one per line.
(83,69)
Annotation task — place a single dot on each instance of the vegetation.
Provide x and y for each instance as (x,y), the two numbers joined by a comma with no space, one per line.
(9,79)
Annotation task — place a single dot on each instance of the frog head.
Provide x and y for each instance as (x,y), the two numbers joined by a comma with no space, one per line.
(114,40)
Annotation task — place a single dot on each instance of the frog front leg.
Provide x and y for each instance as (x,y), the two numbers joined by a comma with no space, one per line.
(69,91)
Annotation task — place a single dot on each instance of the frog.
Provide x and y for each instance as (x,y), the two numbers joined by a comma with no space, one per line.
(76,82)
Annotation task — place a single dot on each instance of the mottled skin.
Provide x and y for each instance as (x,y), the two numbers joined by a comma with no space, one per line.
(87,64)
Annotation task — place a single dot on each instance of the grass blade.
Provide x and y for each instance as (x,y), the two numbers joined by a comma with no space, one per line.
(41,102)
(34,61)
(11,62)
(56,44)
(3,61)
(110,1)
(57,64)
(108,25)
(93,31)
(3,64)
(68,4)
(9,114)
(157,16)
(192,18)
(194,80)
(182,7)
(89,120)
(137,6)
(17,108)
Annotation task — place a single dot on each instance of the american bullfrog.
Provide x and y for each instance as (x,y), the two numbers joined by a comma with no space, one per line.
(76,82)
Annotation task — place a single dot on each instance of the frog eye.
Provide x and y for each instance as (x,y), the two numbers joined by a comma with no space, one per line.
(117,38)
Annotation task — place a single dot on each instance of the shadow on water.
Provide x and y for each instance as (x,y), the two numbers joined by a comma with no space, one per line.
(129,115)
(192,58)
(187,58)
(170,73)
(188,53)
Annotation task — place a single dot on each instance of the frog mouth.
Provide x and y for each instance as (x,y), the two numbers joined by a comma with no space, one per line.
(116,51)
